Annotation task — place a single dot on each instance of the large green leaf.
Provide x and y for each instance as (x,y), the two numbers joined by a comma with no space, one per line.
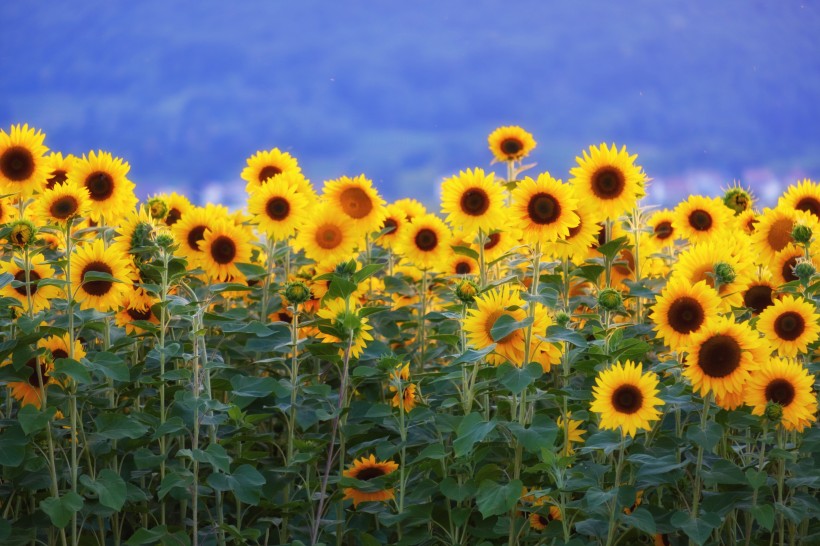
(493,498)
(109,487)
(472,429)
(60,509)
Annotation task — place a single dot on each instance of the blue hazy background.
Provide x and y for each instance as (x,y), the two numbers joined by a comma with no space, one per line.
(704,92)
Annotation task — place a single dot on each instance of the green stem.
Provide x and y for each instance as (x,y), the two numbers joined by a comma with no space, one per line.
(614,509)
(697,487)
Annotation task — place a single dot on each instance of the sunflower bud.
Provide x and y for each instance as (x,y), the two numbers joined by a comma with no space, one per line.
(737,199)
(165,241)
(801,234)
(804,271)
(346,269)
(466,291)
(22,233)
(724,273)
(609,299)
(297,292)
(773,412)
(562,319)
(158,208)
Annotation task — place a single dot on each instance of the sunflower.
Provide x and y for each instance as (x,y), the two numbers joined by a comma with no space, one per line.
(135,233)
(701,219)
(698,263)
(425,242)
(100,294)
(411,207)
(400,379)
(539,521)
(609,179)
(737,198)
(760,293)
(473,201)
(105,177)
(682,309)
(784,262)
(790,325)
(8,211)
(747,221)
(459,264)
(510,143)
(366,469)
(663,234)
(788,384)
(625,397)
(278,208)
(189,232)
(326,236)
(29,392)
(177,206)
(23,167)
(581,237)
(135,305)
(731,400)
(266,165)
(61,203)
(339,315)
(57,347)
(572,434)
(41,296)
(805,196)
(501,241)
(721,355)
(358,200)
(395,221)
(773,231)
(58,168)
(223,246)
(544,209)
(490,306)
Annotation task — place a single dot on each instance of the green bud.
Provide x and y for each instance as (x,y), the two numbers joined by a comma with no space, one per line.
(165,241)
(297,292)
(724,273)
(562,319)
(737,199)
(609,299)
(804,271)
(801,234)
(158,208)
(773,412)
(23,232)
(466,291)
(346,269)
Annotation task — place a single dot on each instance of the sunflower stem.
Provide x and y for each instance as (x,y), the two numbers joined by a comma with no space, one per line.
(482,263)
(760,462)
(294,391)
(781,475)
(699,464)
(422,322)
(269,263)
(612,528)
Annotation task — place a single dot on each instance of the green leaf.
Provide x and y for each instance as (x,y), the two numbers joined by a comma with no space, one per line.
(116,426)
(33,420)
(725,473)
(540,435)
(493,499)
(611,249)
(764,515)
(218,457)
(5,278)
(708,438)
(756,479)
(433,451)
(109,487)
(110,365)
(173,481)
(245,482)
(465,251)
(13,444)
(696,529)
(99,276)
(451,489)
(471,355)
(471,430)
(171,426)
(60,509)
(367,271)
(147,536)
(518,379)
(559,333)
(642,519)
(256,387)
(73,369)
(506,325)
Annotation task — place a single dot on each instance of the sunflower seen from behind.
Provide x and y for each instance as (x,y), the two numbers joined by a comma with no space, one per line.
(790,325)
(356,199)
(102,294)
(682,309)
(365,469)
(110,192)
(543,209)
(473,201)
(510,143)
(425,243)
(788,384)
(345,317)
(23,165)
(278,208)
(609,179)
(626,398)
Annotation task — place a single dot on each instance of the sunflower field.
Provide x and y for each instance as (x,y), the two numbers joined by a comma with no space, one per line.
(538,363)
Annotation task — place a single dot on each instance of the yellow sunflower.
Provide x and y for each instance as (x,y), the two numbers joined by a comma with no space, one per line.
(135,305)
(682,309)
(177,205)
(539,521)
(326,236)
(473,200)
(572,434)
(782,267)
(761,292)
(510,143)
(41,296)
(57,347)
(698,263)
(721,356)
(400,379)
(23,167)
(135,232)
(747,221)
(100,294)
(358,200)
(790,325)
(411,207)
(61,203)
(625,398)
(544,209)
(458,264)
(266,165)
(501,241)
(189,232)
(490,306)
(366,469)
(8,211)
(336,312)
(608,179)
(581,237)
(700,219)
(224,245)
(110,191)
(278,208)
(58,168)
(395,221)
(773,231)
(28,392)
(805,196)
(663,234)
(788,384)
(426,242)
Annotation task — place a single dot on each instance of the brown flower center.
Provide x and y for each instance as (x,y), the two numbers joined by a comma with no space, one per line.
(700,220)
(625,263)
(492,240)
(136,314)
(573,231)
(758,298)
(367,474)
(426,239)
(329,236)
(627,399)
(17,164)
(475,202)
(780,234)
(64,207)
(277,208)
(57,177)
(355,202)
(511,146)
(780,391)
(97,287)
(100,185)
(685,315)
(390,225)
(463,268)
(809,204)
(789,326)
(57,354)
(223,250)
(34,378)
(196,235)
(543,208)
(788,269)
(33,278)
(268,171)
(608,183)
(663,230)
(173,217)
(719,356)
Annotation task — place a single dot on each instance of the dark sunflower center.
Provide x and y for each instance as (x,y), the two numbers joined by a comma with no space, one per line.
(663,230)
(627,399)
(33,278)
(780,234)
(136,314)
(329,236)
(685,315)
(492,240)
(34,378)
(475,202)
(601,235)
(625,263)
(97,287)
(700,220)
(390,225)
(173,217)
(17,164)
(788,269)
(573,231)
(789,326)
(608,183)
(463,268)
(57,177)
(223,250)
(758,298)
(511,146)
(269,171)
(426,239)
(367,474)
(780,391)
(356,203)
(100,185)
(196,235)
(544,520)
(64,207)
(277,208)
(719,356)
(543,208)
(58,353)
(809,204)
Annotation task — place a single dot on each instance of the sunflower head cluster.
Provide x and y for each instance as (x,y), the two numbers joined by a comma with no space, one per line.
(626,398)
(510,143)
